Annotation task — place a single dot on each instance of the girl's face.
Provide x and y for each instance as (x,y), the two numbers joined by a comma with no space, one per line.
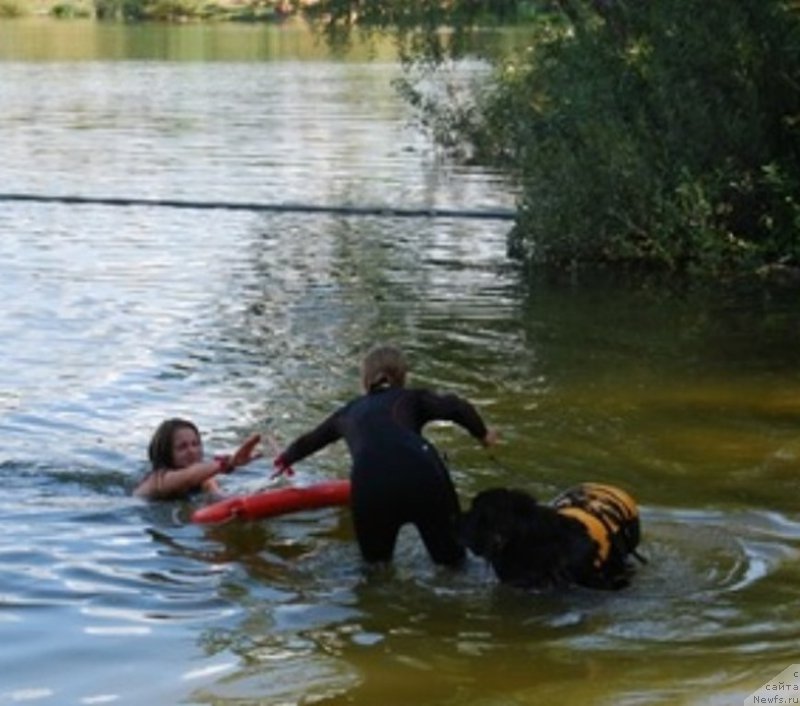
(186,448)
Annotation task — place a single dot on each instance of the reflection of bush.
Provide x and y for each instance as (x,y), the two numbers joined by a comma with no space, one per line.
(171,9)
(11,8)
(180,10)
(69,10)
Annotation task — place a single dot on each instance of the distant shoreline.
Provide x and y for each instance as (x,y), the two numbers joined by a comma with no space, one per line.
(177,11)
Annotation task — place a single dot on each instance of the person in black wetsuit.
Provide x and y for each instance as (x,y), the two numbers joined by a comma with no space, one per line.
(397,475)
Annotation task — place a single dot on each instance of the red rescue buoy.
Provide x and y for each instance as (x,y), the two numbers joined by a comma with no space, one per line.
(279,501)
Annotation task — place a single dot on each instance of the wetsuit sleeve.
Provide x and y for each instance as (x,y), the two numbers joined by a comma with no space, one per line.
(326,433)
(452,408)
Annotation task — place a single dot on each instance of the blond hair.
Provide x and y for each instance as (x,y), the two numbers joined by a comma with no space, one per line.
(383,366)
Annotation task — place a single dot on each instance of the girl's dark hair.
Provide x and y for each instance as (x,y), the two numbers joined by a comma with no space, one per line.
(160,450)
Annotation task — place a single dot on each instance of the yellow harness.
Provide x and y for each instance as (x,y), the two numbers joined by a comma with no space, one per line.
(602,509)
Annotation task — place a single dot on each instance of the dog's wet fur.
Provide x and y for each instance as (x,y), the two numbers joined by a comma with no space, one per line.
(538,546)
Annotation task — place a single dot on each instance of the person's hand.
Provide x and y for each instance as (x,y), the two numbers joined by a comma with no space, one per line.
(491,437)
(246,453)
(281,467)
(223,462)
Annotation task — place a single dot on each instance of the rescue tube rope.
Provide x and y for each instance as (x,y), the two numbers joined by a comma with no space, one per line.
(382,211)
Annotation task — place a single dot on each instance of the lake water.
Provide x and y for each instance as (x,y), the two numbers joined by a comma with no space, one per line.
(114,318)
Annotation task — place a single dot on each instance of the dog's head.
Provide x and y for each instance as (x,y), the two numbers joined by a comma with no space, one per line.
(496,517)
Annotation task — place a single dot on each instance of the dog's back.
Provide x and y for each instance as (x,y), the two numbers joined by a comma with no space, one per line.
(584,536)
(615,509)
(610,517)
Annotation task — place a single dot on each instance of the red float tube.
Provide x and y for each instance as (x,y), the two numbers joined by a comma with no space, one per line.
(280,501)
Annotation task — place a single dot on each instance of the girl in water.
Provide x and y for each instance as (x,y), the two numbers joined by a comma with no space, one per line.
(177,466)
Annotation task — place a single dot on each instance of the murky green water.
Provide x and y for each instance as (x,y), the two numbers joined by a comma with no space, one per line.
(113,318)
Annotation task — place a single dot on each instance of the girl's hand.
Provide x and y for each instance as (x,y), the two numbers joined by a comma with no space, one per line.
(247,452)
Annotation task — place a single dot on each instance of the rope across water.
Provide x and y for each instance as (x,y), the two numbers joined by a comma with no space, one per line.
(382,211)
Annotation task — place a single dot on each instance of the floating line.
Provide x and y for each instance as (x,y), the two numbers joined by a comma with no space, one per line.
(383,211)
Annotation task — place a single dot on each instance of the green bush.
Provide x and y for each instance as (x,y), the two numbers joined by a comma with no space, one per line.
(651,134)
(668,138)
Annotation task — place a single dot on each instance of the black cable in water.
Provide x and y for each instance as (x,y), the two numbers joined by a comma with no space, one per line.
(380,211)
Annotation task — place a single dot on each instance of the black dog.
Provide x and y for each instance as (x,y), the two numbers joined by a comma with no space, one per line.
(585,536)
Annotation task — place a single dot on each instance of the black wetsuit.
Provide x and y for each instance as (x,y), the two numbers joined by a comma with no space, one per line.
(397,475)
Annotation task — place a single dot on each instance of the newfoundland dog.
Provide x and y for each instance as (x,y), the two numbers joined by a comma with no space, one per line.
(585,536)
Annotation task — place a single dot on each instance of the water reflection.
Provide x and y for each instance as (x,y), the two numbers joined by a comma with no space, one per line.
(37,39)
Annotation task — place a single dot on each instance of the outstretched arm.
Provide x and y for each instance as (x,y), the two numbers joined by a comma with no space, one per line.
(171,484)
(167,484)
(456,409)
(306,444)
